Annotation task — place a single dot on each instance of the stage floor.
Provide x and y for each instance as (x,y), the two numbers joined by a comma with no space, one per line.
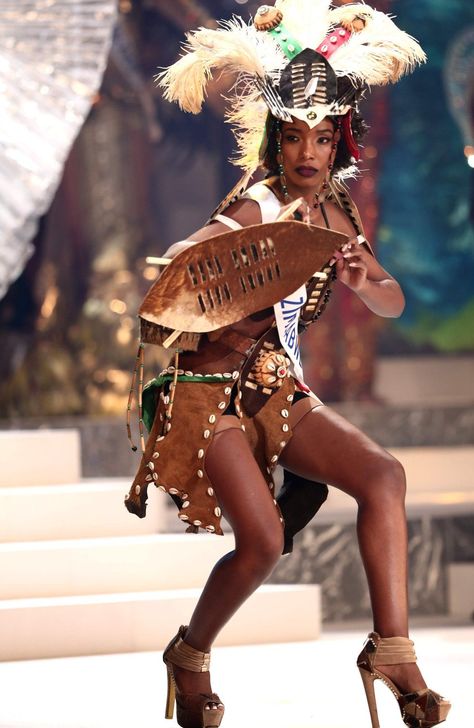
(298,685)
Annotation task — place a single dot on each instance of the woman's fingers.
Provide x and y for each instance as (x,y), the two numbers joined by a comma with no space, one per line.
(351,251)
(352,260)
(353,257)
(337,255)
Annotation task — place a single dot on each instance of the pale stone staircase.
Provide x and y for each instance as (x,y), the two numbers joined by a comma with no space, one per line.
(81,576)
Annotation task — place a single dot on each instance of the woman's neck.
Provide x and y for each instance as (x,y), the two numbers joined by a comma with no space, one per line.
(308,194)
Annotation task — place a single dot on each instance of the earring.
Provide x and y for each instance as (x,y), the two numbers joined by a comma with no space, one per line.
(330,167)
(279,158)
(325,185)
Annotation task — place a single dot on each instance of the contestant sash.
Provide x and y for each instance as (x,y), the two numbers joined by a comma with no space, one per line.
(287,314)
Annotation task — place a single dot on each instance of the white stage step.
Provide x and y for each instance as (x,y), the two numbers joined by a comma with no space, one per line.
(108,565)
(439,480)
(91,625)
(427,380)
(39,457)
(90,509)
(437,468)
(461,590)
(441,477)
(80,575)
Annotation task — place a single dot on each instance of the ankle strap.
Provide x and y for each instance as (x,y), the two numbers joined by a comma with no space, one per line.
(392,650)
(185,656)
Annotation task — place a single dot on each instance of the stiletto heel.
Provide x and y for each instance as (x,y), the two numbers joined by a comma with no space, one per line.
(368,681)
(419,709)
(196,710)
(171,694)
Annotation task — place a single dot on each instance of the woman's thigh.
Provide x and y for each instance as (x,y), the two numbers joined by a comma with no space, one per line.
(243,493)
(326,447)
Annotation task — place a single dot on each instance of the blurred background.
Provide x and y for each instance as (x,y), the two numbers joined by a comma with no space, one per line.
(141,174)
(97,172)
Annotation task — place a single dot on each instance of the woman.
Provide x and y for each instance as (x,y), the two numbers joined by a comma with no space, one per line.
(229,440)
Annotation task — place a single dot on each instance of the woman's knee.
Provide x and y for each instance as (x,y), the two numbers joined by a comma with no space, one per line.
(262,548)
(386,478)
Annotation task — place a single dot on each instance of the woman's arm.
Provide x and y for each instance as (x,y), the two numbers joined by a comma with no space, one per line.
(245,212)
(358,269)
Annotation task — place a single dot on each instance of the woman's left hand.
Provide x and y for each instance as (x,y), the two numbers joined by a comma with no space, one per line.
(352,264)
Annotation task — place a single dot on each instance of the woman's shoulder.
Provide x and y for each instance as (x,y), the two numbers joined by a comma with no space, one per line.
(257,202)
(244,211)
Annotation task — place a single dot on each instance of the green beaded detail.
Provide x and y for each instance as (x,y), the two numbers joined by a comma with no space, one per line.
(158,381)
(149,400)
(287,43)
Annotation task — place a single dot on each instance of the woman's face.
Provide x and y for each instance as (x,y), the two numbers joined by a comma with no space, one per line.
(307,152)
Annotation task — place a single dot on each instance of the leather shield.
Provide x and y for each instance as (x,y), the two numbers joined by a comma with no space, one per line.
(226,278)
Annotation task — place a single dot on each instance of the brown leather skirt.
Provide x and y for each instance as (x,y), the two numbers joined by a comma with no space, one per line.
(175,452)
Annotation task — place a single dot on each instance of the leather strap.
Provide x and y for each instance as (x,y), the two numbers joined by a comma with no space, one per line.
(394,651)
(185,656)
(232,224)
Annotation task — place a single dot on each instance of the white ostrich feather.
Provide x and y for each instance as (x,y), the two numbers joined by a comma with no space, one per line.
(185,82)
(247,114)
(379,54)
(306,20)
(234,47)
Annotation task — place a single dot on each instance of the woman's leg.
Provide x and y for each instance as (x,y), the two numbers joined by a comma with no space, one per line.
(326,447)
(248,505)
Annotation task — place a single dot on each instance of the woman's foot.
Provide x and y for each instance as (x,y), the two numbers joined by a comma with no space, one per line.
(393,660)
(189,685)
(407,678)
(189,682)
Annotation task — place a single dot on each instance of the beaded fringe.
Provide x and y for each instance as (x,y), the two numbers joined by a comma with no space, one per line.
(139,365)
(139,369)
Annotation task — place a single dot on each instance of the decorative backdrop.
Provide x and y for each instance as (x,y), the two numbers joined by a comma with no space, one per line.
(426,233)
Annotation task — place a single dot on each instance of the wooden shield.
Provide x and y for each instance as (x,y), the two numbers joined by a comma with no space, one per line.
(228,277)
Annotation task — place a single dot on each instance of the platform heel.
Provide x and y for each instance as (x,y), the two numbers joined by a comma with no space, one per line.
(419,709)
(196,710)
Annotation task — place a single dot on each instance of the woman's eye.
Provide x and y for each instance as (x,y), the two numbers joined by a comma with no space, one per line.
(323,140)
(291,138)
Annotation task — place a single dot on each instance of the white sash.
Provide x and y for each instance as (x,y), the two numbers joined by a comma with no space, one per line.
(287,314)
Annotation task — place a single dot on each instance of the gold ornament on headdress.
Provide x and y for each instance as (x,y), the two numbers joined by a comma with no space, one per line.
(353,23)
(354,17)
(267,18)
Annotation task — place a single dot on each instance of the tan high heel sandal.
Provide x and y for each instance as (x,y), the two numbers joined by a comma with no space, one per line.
(419,709)
(196,710)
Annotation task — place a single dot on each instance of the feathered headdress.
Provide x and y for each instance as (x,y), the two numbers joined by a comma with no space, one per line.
(299,58)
